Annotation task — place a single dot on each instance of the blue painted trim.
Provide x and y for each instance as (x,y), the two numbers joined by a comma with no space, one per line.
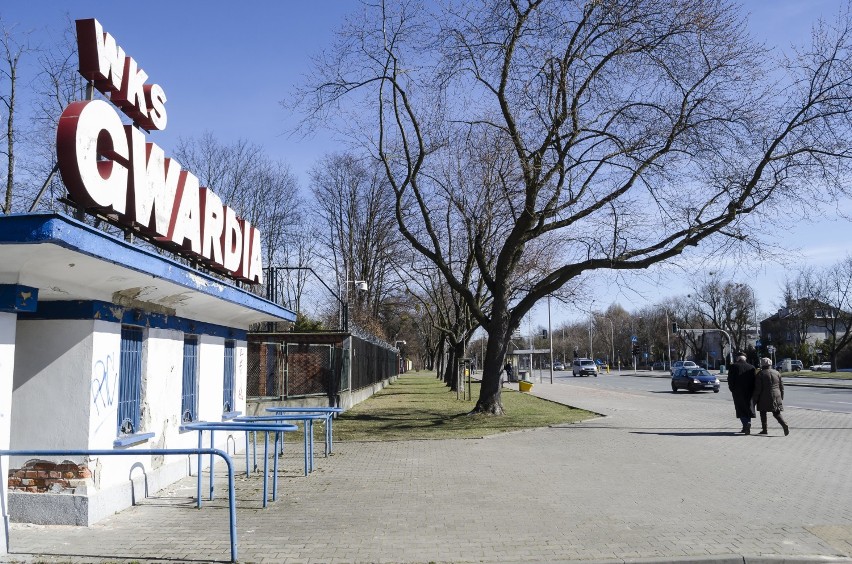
(16,297)
(105,311)
(71,234)
(134,439)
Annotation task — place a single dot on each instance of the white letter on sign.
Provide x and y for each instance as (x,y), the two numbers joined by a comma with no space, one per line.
(131,96)
(232,241)
(212,222)
(186,217)
(153,185)
(101,60)
(89,130)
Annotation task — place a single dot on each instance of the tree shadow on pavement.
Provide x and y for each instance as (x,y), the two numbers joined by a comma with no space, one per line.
(690,433)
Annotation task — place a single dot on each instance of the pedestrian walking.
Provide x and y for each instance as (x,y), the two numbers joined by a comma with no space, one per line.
(741,383)
(769,395)
(510,372)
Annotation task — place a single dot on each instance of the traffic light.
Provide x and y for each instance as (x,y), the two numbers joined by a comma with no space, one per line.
(544,333)
(635,349)
(674,327)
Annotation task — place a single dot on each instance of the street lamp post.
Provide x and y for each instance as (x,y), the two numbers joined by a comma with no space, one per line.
(272,287)
(550,336)
(612,342)
(344,312)
(396,345)
(668,340)
(591,317)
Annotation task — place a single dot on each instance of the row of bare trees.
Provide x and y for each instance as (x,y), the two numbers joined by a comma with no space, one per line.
(521,145)
(531,142)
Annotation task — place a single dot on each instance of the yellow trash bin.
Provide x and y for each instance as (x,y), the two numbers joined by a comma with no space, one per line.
(524,385)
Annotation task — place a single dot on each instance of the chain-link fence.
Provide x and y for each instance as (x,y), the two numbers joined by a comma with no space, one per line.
(288,365)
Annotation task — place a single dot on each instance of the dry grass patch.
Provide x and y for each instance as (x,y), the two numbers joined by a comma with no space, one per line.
(419,406)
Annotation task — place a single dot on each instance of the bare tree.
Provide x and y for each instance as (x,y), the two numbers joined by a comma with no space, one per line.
(828,305)
(726,305)
(264,192)
(635,131)
(11,51)
(57,84)
(354,205)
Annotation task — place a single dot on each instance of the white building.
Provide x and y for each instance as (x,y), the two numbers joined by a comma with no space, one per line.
(106,345)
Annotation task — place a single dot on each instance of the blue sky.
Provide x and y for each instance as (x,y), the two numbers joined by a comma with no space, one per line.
(225,67)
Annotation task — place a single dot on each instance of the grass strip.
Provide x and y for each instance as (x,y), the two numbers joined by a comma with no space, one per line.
(820,374)
(419,406)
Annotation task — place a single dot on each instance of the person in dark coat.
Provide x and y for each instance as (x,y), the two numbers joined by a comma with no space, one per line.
(741,383)
(769,395)
(510,371)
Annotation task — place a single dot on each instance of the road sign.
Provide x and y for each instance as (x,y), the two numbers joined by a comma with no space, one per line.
(757,343)
(633,339)
(770,349)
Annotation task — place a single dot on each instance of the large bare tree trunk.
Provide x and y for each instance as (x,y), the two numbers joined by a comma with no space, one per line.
(499,337)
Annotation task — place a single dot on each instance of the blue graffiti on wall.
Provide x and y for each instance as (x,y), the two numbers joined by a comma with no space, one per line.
(104,383)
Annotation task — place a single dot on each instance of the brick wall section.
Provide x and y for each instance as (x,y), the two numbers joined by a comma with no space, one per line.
(39,476)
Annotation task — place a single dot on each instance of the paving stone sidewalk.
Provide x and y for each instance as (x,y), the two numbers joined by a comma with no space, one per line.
(655,480)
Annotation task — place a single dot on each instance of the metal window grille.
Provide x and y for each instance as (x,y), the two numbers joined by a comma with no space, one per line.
(130,380)
(189,401)
(228,391)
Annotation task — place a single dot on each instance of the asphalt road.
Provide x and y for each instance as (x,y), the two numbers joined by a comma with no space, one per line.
(835,400)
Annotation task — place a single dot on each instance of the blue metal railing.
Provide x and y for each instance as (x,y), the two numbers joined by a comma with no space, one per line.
(232,425)
(328,412)
(307,420)
(141,452)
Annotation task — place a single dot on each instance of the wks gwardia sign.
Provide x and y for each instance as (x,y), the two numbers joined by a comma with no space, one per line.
(108,167)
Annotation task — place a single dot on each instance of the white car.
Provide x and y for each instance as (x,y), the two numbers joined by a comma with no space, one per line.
(584,367)
(824,367)
(682,364)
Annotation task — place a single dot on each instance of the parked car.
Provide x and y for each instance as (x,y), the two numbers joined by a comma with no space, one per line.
(824,367)
(682,364)
(794,364)
(694,379)
(558,366)
(584,367)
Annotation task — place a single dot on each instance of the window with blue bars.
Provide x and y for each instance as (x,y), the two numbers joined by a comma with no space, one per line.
(130,380)
(228,392)
(189,401)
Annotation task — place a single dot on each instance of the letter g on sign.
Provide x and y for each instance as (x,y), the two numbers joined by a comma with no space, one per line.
(87,130)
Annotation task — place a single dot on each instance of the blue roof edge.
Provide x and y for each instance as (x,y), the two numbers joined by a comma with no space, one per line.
(75,235)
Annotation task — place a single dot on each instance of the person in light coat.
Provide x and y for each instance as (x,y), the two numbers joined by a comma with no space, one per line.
(769,395)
